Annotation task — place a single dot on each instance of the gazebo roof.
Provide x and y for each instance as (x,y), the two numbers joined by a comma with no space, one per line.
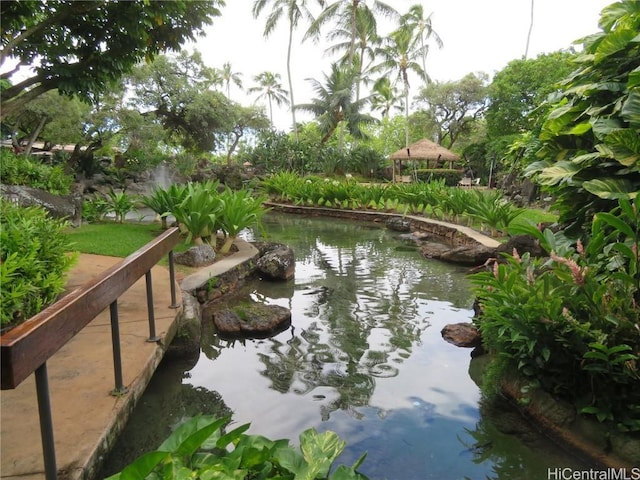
(424,150)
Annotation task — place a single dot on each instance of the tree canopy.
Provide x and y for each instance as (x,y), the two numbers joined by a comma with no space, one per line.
(81,47)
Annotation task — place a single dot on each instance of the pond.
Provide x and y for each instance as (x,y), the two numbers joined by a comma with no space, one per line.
(364,358)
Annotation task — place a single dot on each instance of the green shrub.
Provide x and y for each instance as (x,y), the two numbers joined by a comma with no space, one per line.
(200,448)
(450,177)
(34,261)
(569,323)
(18,170)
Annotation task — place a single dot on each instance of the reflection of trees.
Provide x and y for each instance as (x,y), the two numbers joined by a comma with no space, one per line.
(367,318)
(505,439)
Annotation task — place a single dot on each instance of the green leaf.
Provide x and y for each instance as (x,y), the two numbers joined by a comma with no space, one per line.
(142,466)
(616,223)
(558,173)
(611,189)
(631,109)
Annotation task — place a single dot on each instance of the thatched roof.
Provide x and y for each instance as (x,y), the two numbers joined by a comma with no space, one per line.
(425,150)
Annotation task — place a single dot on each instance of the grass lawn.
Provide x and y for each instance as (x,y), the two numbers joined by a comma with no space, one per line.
(115,239)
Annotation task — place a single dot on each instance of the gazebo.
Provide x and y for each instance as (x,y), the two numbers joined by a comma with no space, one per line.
(422,151)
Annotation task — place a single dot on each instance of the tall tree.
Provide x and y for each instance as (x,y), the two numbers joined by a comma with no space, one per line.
(400,52)
(295,10)
(384,96)
(367,40)
(176,91)
(228,76)
(82,47)
(334,103)
(422,28)
(518,90)
(269,87)
(345,14)
(454,107)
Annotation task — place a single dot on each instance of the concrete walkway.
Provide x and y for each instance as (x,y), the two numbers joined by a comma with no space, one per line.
(86,417)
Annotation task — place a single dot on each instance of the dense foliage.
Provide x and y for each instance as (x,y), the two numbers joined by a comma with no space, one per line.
(200,448)
(590,152)
(17,170)
(433,199)
(81,48)
(569,323)
(33,250)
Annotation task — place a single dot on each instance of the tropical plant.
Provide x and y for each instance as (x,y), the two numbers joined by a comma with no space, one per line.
(18,170)
(239,209)
(590,145)
(569,323)
(95,208)
(34,259)
(120,203)
(200,448)
(164,201)
(199,212)
(334,103)
(400,53)
(295,11)
(492,209)
(269,87)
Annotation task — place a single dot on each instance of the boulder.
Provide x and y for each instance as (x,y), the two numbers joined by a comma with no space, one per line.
(468,254)
(462,335)
(398,224)
(198,256)
(251,320)
(523,244)
(277,262)
(59,206)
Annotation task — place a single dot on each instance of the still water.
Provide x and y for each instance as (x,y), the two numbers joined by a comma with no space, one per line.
(364,358)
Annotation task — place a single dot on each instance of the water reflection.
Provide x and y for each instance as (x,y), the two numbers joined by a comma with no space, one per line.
(364,357)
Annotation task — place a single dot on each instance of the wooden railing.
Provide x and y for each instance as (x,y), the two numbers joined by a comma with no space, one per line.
(26,348)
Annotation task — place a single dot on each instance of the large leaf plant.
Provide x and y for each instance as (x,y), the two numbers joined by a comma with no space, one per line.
(590,142)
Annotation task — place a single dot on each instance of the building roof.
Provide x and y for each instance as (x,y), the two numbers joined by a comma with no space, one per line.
(425,150)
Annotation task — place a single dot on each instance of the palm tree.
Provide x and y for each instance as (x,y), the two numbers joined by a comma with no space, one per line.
(334,104)
(295,10)
(384,96)
(423,29)
(228,76)
(269,87)
(400,52)
(367,40)
(345,13)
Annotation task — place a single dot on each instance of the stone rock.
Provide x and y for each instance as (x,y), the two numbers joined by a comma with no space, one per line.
(198,256)
(252,320)
(398,224)
(277,262)
(462,335)
(59,206)
(522,243)
(468,255)
(462,255)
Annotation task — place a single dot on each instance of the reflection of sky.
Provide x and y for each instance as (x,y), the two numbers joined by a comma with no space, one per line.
(364,358)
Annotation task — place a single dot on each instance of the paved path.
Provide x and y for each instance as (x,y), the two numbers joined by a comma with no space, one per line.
(81,377)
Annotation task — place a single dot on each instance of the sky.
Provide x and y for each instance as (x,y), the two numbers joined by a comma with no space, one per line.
(478,36)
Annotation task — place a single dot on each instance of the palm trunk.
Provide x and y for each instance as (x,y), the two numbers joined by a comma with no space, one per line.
(292,106)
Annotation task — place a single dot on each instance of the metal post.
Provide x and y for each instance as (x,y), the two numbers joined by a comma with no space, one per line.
(120,389)
(172,281)
(152,320)
(46,423)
